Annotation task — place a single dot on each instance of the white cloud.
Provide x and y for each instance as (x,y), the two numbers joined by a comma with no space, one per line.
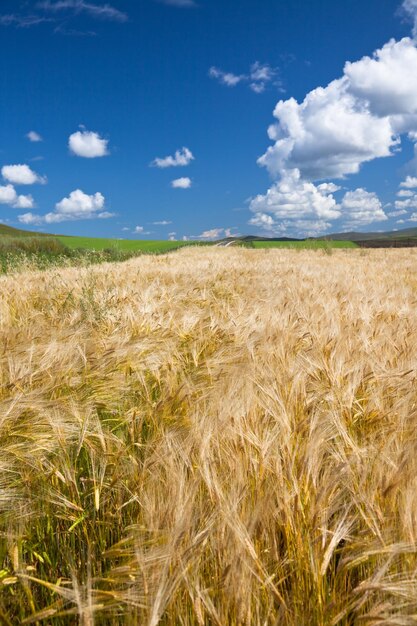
(261,75)
(21,175)
(413,218)
(88,144)
(162,223)
(30,219)
(362,207)
(214,233)
(105,11)
(409,203)
(294,198)
(299,206)
(397,213)
(262,72)
(78,206)
(326,136)
(172,236)
(387,82)
(355,119)
(181,183)
(409,183)
(24,202)
(34,136)
(298,228)
(410,6)
(335,130)
(262,220)
(181,158)
(405,193)
(258,77)
(23,21)
(328,188)
(9,196)
(138,229)
(226,78)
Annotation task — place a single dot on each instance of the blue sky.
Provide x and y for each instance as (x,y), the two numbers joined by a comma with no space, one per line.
(96,96)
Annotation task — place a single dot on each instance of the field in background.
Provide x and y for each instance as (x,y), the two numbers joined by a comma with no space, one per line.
(28,252)
(124,245)
(309,244)
(212,437)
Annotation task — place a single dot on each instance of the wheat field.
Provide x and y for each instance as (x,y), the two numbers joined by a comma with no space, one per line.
(211,437)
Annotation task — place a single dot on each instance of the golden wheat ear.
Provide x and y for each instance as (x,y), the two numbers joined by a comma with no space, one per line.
(216,436)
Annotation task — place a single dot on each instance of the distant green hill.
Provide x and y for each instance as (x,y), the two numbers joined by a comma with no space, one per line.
(18,232)
(354,236)
(87,242)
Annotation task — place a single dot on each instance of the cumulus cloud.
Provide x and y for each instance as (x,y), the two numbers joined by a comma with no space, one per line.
(30,219)
(294,198)
(263,221)
(326,136)
(181,183)
(387,82)
(24,202)
(296,205)
(88,144)
(405,193)
(361,207)
(138,229)
(21,175)
(9,196)
(77,206)
(359,117)
(328,188)
(304,228)
(409,183)
(181,158)
(410,7)
(34,136)
(355,119)
(409,203)
(397,213)
(214,233)
(258,77)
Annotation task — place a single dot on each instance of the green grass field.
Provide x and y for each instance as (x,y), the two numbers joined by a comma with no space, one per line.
(309,245)
(124,245)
